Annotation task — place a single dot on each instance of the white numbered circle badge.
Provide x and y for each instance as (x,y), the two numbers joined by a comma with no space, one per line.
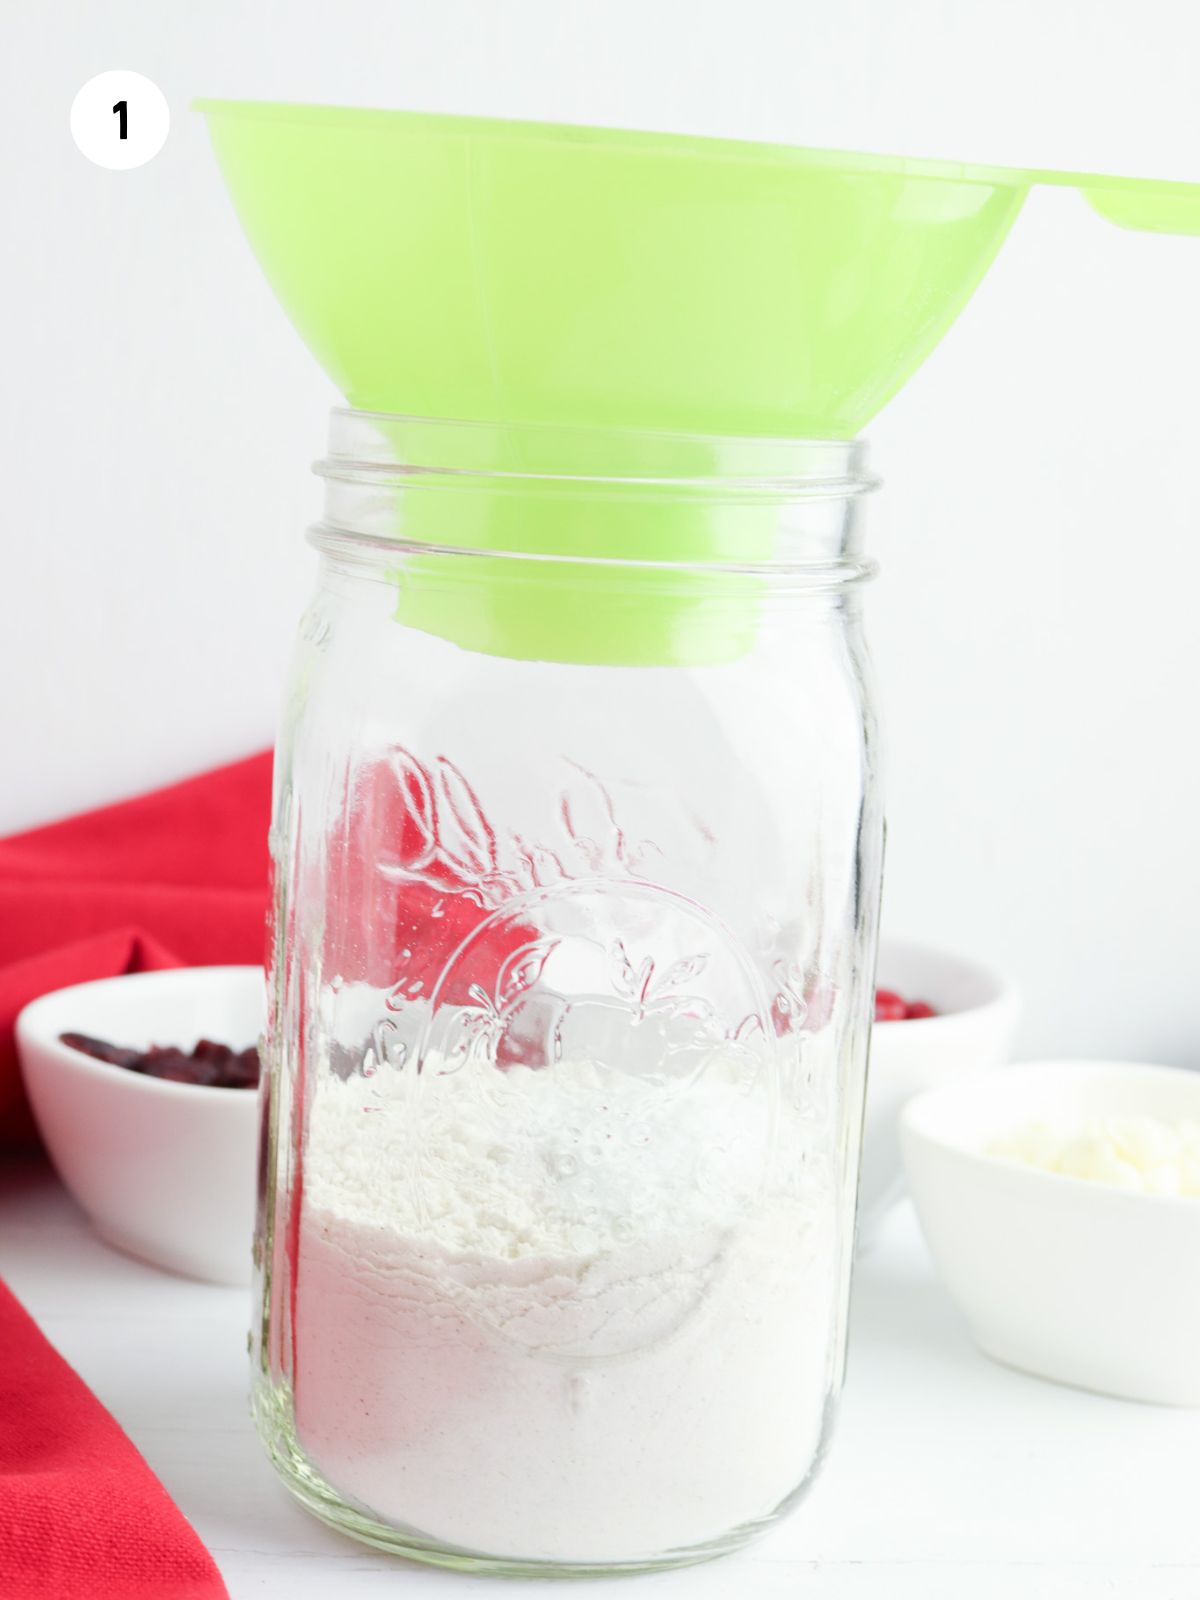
(120,120)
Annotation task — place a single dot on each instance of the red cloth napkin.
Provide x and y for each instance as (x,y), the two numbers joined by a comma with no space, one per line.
(175,878)
(82,1517)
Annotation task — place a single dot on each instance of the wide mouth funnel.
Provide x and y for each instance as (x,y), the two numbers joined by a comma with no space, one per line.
(514,271)
(520,273)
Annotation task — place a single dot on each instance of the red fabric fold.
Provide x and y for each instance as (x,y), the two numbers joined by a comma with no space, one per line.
(82,1517)
(173,878)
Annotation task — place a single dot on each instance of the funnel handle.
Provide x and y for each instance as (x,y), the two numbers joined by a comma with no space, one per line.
(1150,207)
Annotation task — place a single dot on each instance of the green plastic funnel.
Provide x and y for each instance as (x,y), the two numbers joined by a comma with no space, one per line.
(519,273)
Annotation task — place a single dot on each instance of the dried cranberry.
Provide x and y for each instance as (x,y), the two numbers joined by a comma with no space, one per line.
(893,1007)
(101,1049)
(889,1006)
(242,1070)
(208,1064)
(173,1066)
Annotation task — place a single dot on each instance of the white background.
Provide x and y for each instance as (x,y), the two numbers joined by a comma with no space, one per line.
(1034,629)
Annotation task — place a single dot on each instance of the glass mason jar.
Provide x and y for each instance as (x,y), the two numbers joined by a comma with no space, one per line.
(577,851)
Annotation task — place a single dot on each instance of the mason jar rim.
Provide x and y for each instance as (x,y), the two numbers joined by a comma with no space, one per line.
(383,448)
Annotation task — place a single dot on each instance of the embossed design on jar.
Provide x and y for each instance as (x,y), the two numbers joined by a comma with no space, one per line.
(448,842)
(448,869)
(632,969)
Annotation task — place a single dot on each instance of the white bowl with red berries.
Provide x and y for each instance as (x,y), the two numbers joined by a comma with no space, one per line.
(143,1088)
(936,1016)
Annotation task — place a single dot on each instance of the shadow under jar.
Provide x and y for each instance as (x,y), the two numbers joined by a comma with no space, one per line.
(577,851)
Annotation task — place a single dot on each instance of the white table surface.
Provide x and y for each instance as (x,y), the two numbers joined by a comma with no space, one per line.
(949,1476)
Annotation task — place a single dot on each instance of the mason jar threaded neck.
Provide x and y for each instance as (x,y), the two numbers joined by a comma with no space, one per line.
(589,546)
(560,492)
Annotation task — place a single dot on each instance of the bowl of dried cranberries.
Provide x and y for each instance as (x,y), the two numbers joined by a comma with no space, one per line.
(143,1090)
(936,1015)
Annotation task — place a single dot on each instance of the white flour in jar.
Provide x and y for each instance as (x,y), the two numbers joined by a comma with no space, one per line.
(564,1314)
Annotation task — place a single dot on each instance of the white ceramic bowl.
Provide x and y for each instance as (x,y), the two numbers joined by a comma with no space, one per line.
(977,1013)
(165,1171)
(1070,1279)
